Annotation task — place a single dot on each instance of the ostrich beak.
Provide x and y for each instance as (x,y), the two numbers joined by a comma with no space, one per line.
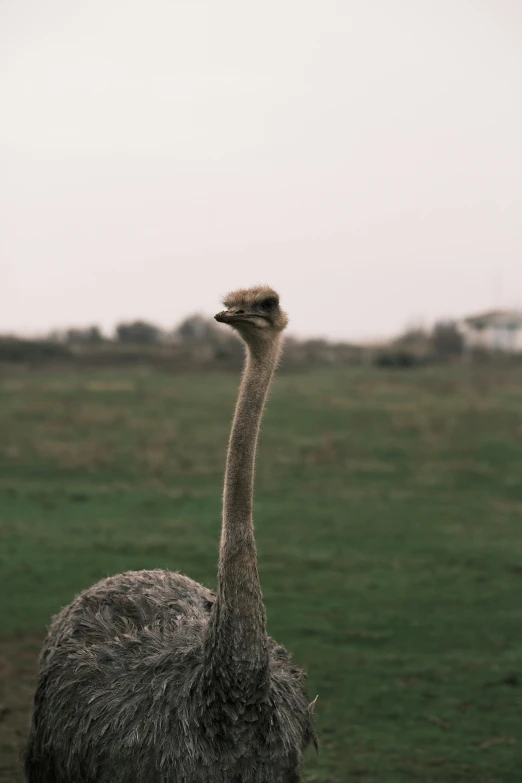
(221,317)
(230,316)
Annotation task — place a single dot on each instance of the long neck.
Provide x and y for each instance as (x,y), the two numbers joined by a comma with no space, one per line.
(237,630)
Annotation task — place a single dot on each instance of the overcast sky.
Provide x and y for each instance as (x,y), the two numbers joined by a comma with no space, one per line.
(364,157)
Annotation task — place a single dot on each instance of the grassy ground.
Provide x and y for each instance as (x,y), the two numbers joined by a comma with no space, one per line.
(389,524)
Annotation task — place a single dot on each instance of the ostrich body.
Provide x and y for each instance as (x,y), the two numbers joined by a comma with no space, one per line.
(149,677)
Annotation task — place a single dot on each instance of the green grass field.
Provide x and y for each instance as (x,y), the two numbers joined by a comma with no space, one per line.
(389,528)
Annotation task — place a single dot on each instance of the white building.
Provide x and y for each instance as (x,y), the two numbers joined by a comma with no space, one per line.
(494,330)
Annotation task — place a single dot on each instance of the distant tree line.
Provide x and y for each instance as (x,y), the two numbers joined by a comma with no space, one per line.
(419,346)
(192,329)
(199,342)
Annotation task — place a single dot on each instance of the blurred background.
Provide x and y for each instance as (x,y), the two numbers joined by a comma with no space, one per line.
(364,159)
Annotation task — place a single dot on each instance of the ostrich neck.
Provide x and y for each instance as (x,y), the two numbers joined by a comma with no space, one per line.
(237,631)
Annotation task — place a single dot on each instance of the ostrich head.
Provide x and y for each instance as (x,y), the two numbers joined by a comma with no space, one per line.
(254,313)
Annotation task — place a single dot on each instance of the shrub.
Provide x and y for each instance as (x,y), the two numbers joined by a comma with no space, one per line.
(138,333)
(196,328)
(446,339)
(397,358)
(13,349)
(89,336)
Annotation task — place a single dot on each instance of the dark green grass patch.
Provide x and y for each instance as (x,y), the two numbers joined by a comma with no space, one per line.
(389,526)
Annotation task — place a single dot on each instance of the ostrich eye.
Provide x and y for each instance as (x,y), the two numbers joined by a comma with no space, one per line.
(269,304)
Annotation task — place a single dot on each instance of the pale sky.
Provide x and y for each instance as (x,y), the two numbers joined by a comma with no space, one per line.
(364,157)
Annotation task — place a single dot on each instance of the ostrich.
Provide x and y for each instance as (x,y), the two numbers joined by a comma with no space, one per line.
(149,677)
